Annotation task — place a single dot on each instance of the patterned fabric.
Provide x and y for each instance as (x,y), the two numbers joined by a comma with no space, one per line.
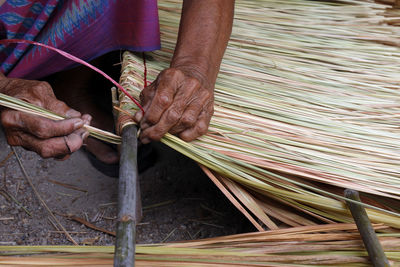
(84,28)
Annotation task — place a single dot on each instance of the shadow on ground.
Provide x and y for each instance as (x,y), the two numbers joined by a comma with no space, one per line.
(179,201)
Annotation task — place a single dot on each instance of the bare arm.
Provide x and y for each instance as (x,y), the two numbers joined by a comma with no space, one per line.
(203,36)
(181,100)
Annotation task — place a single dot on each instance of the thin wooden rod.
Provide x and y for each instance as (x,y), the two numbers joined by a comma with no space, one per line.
(367,232)
(129,203)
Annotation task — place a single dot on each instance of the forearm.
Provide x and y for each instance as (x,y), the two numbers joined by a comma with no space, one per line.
(204,32)
(181,100)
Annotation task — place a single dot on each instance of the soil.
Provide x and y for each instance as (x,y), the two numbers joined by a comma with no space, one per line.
(179,201)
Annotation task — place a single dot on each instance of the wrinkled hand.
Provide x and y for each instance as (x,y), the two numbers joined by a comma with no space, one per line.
(180,102)
(46,137)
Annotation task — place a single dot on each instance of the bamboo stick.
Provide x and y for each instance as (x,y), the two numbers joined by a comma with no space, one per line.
(367,232)
(129,203)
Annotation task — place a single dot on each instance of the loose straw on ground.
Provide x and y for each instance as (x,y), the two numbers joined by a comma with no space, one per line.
(321,245)
(42,202)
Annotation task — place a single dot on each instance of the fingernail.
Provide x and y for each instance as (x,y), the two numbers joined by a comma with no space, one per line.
(85,135)
(87,119)
(78,124)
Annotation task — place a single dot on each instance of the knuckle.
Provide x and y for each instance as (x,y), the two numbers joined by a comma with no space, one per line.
(12,140)
(41,91)
(170,72)
(145,93)
(193,82)
(7,119)
(164,100)
(44,86)
(150,119)
(202,128)
(173,115)
(206,94)
(42,130)
(155,135)
(188,120)
(36,102)
(186,137)
(58,105)
(211,110)
(45,152)
(61,108)
(41,133)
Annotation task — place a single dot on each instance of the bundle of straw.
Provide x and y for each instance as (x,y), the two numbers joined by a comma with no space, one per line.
(306,104)
(321,245)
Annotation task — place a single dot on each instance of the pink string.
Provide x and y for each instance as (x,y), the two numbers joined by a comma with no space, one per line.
(78,60)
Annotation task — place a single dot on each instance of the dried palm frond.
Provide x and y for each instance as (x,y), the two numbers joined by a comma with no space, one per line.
(306,104)
(321,245)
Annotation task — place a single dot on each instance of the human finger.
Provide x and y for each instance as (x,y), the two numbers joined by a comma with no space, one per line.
(199,129)
(146,95)
(192,112)
(75,140)
(186,95)
(87,119)
(164,95)
(40,127)
(47,148)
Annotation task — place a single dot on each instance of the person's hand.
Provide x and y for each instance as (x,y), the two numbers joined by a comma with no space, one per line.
(179,101)
(46,137)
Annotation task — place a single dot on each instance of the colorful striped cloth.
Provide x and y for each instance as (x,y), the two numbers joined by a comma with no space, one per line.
(84,28)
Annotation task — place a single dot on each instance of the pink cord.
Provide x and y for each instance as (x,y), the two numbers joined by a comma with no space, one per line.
(78,60)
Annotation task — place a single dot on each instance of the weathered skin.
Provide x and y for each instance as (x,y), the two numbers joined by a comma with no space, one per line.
(180,101)
(46,137)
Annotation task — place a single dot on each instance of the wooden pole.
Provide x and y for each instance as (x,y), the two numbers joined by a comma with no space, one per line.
(129,203)
(367,232)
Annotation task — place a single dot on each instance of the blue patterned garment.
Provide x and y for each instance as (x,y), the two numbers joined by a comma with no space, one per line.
(84,28)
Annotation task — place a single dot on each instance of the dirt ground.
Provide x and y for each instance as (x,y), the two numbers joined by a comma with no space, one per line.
(179,201)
